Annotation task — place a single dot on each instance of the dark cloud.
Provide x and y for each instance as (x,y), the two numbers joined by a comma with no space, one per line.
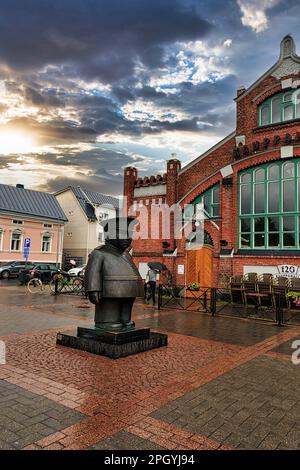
(97,38)
(6,160)
(34,97)
(93,183)
(51,53)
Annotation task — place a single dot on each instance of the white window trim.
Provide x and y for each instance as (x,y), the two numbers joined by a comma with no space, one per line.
(1,238)
(100,234)
(51,237)
(17,220)
(21,241)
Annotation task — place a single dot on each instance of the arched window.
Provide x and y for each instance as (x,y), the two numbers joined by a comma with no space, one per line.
(46,242)
(16,238)
(269,206)
(211,201)
(281,107)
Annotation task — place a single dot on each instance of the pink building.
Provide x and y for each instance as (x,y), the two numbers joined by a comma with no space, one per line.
(30,214)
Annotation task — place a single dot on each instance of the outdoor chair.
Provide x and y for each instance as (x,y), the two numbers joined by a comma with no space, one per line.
(280,290)
(265,289)
(250,288)
(236,288)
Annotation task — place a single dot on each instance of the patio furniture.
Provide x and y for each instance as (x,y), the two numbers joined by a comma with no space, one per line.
(280,290)
(236,287)
(265,289)
(250,288)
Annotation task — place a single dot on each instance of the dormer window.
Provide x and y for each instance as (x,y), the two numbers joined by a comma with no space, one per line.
(279,108)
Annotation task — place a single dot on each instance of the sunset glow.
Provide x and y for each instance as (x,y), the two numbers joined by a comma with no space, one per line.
(14,142)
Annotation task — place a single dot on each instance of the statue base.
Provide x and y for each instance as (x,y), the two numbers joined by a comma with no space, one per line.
(113,344)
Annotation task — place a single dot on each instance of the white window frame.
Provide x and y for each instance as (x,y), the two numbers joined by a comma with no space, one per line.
(17,222)
(103,216)
(49,235)
(47,225)
(21,240)
(1,238)
(100,235)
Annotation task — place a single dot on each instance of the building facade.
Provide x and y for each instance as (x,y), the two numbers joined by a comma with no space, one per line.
(30,214)
(249,184)
(85,211)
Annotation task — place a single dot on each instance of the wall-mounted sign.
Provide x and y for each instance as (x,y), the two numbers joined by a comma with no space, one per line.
(26,248)
(288,270)
(180,269)
(243,151)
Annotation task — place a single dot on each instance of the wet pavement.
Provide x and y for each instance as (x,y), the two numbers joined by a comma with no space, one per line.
(221,383)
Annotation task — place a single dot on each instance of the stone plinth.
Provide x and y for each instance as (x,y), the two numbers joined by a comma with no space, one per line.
(113,344)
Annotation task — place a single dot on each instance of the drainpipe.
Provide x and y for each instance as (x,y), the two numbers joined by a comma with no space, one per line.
(87,242)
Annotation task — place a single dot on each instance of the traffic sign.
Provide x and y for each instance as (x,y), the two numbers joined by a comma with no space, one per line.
(26,248)
(27,243)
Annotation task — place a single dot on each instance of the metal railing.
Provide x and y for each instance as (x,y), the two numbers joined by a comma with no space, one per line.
(72,286)
(218,301)
(181,297)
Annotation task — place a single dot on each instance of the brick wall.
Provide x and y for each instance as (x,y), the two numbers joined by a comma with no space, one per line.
(185,185)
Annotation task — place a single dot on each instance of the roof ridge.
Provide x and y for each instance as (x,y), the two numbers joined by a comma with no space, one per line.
(30,202)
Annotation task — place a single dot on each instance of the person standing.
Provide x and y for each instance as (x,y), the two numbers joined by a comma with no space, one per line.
(146,284)
(152,284)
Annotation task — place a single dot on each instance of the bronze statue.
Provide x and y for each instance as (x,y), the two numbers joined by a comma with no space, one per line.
(112,281)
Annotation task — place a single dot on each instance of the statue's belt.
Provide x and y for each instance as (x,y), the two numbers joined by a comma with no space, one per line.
(121,278)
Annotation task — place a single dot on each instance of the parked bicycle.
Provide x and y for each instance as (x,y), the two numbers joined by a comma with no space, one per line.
(36,285)
(40,282)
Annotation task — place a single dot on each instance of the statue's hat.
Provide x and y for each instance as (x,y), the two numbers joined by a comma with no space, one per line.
(122,226)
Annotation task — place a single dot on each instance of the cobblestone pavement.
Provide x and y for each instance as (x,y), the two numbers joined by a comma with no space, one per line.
(221,383)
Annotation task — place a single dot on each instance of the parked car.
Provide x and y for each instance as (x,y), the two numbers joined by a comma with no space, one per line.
(13,268)
(43,271)
(76,271)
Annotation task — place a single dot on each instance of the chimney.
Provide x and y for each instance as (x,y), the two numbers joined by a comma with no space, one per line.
(241,89)
(130,177)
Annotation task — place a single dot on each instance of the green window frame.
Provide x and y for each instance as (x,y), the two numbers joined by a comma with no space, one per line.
(211,201)
(269,206)
(278,108)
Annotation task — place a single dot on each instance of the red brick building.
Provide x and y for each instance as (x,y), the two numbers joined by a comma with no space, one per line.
(249,184)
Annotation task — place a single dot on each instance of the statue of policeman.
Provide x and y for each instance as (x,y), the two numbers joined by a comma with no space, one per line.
(112,281)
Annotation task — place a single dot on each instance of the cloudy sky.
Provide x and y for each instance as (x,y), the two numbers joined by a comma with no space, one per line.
(88,87)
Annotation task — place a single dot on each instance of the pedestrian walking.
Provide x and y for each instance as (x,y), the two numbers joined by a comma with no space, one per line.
(146,284)
(152,275)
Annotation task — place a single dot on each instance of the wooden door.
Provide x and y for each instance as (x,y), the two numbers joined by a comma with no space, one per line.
(200,266)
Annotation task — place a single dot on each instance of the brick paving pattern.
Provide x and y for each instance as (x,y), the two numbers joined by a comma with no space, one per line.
(286,348)
(126,440)
(253,406)
(221,383)
(26,417)
(223,329)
